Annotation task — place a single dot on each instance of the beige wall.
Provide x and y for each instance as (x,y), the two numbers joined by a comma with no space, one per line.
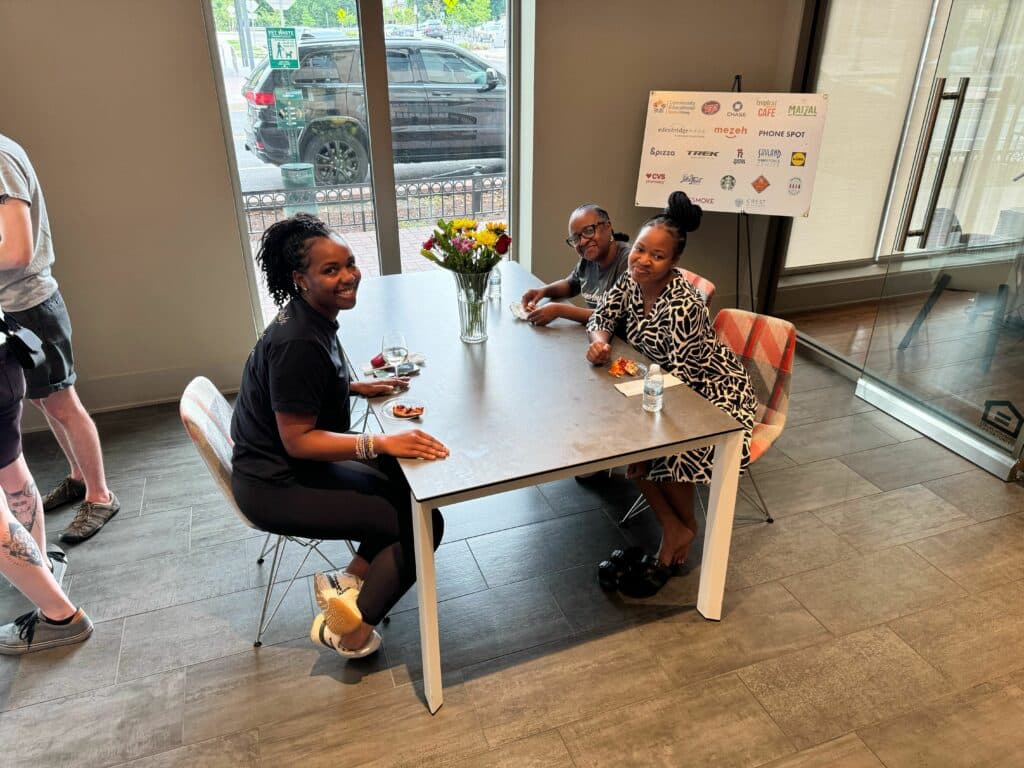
(115,102)
(595,62)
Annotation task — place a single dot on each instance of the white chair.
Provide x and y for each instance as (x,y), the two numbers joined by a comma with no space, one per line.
(207,419)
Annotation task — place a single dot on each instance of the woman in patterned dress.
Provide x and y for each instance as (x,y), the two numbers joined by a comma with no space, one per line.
(667,320)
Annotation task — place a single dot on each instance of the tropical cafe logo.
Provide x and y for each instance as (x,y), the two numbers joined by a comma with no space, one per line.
(766,107)
(731,132)
(710,107)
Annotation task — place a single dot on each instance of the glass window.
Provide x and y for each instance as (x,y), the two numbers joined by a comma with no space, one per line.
(448,67)
(399,67)
(316,68)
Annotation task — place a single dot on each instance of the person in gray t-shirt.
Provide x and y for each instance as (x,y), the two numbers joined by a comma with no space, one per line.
(603,255)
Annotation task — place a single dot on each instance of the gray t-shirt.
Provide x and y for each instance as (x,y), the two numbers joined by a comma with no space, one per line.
(591,281)
(22,289)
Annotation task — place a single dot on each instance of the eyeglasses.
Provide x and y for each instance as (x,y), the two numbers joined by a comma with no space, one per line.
(587,233)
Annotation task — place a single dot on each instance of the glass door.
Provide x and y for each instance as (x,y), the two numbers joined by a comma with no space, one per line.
(949,332)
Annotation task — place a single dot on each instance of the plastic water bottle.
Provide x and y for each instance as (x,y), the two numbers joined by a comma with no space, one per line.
(495,283)
(654,385)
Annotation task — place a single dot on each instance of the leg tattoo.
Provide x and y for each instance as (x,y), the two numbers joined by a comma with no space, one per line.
(24,504)
(22,546)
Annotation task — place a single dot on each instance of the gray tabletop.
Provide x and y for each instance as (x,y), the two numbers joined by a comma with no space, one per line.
(523,403)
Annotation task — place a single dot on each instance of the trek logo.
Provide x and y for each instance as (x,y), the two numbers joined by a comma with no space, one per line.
(663,152)
(802,110)
(710,107)
(731,132)
(760,184)
(703,153)
(798,159)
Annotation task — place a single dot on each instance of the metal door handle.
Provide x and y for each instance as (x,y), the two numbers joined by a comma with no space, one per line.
(938,95)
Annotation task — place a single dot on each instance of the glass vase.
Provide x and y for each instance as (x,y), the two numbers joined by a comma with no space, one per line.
(471,292)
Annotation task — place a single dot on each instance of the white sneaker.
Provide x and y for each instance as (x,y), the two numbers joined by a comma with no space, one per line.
(321,634)
(336,595)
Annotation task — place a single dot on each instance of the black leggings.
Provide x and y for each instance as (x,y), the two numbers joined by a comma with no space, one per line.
(366,502)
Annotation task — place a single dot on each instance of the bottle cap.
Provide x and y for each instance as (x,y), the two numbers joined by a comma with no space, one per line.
(655,368)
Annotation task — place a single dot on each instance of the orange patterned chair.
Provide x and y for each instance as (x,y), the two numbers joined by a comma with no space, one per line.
(765,345)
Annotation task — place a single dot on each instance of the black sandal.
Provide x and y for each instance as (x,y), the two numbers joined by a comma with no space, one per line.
(610,571)
(645,577)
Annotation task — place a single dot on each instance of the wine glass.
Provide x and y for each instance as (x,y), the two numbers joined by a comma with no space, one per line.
(394,349)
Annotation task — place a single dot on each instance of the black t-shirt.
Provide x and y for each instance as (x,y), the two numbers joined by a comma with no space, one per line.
(297,366)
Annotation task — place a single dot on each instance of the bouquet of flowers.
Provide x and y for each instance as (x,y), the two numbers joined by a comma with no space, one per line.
(459,245)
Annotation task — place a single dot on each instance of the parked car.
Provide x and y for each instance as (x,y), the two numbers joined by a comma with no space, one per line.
(446,104)
(433,28)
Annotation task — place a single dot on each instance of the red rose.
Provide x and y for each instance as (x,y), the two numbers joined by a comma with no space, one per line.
(502,245)
(429,244)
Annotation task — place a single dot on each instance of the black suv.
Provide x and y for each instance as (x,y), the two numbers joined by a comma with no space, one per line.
(446,104)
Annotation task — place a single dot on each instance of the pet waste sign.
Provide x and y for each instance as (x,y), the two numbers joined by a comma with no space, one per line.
(282,48)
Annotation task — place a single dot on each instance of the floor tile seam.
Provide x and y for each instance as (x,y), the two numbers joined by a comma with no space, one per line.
(523,525)
(862,551)
(832,636)
(965,587)
(568,751)
(771,718)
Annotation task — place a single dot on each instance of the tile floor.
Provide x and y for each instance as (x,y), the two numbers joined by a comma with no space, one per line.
(878,622)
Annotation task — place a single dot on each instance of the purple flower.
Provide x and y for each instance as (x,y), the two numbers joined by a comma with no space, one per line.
(462,244)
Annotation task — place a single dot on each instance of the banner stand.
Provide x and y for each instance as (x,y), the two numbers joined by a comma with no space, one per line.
(737,87)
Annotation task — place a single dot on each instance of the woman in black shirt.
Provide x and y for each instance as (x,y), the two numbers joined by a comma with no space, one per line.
(295,469)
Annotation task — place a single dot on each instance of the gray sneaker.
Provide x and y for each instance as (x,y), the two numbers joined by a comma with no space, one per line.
(30,632)
(58,563)
(68,491)
(90,518)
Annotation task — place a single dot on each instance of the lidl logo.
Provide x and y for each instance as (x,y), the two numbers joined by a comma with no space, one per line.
(798,158)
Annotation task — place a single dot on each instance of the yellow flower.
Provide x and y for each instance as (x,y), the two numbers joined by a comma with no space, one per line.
(460,225)
(498,227)
(485,237)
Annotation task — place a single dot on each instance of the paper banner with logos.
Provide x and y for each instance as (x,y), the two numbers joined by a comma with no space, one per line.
(732,152)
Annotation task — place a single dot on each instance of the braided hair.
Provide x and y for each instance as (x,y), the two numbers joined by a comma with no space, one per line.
(620,236)
(678,217)
(284,249)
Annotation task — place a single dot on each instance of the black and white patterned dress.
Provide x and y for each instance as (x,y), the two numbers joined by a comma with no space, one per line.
(679,336)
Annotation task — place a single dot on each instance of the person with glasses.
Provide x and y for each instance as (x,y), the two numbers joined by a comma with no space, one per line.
(603,255)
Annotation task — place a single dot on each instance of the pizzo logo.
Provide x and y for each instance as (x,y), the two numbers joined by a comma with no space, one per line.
(798,159)
(663,152)
(760,184)
(731,132)
(710,107)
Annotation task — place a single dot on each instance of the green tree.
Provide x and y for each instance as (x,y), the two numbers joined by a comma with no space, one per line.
(222,19)
(469,12)
(319,13)
(498,8)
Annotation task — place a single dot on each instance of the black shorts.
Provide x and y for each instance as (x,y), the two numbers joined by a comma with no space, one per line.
(50,322)
(12,392)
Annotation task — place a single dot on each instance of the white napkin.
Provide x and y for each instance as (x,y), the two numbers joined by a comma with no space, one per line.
(636,386)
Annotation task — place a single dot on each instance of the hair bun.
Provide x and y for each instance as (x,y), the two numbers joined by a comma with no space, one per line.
(682,212)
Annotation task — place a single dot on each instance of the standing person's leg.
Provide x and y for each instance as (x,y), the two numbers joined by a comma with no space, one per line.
(51,388)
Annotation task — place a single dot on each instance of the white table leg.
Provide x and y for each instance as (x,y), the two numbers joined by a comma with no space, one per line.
(426,595)
(725,475)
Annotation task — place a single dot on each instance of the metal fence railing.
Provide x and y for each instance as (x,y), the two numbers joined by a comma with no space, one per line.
(350,208)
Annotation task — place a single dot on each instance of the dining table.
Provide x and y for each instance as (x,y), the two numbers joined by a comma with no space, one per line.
(521,408)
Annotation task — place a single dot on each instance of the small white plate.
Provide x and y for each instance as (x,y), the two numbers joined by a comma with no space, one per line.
(389,408)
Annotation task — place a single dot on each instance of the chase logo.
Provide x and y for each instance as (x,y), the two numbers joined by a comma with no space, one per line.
(710,107)
(798,159)
(737,110)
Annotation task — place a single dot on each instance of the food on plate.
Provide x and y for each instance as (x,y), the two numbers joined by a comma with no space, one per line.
(622,366)
(403,411)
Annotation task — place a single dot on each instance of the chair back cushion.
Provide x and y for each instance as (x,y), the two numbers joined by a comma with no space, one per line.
(702,284)
(765,345)
(207,419)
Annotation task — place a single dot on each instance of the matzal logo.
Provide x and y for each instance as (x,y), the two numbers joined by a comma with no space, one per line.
(802,110)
